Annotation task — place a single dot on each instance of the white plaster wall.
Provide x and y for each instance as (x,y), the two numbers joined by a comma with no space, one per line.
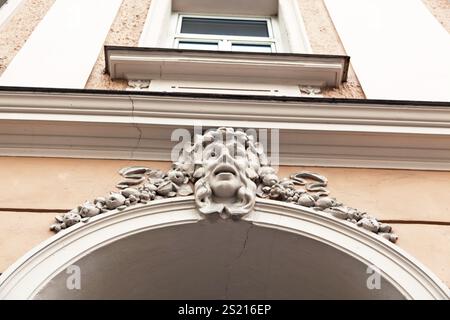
(64,47)
(8,9)
(399,50)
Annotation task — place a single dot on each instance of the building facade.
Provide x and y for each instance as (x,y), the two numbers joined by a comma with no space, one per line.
(159,133)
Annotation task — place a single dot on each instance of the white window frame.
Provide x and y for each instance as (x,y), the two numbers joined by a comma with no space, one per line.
(286,18)
(287,35)
(224,42)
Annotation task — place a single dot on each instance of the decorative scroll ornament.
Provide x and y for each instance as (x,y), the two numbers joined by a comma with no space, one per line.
(226,170)
(138,84)
(310,91)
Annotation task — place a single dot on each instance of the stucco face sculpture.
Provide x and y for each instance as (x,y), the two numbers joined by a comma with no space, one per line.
(226,170)
(225,187)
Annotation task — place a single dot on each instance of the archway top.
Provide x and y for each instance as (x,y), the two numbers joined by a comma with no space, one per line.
(28,276)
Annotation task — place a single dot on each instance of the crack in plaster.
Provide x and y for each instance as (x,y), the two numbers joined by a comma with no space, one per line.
(137,128)
(231,265)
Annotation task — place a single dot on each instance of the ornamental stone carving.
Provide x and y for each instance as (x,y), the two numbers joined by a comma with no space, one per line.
(138,84)
(310,91)
(225,170)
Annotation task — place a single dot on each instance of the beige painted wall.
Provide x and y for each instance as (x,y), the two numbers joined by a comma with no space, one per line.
(129,23)
(389,194)
(34,186)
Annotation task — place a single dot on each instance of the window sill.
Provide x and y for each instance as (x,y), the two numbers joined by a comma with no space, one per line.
(137,63)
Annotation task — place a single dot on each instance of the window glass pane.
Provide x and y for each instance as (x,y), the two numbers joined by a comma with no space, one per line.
(198,45)
(251,47)
(228,27)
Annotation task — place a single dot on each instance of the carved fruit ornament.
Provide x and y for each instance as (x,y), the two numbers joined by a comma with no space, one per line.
(225,170)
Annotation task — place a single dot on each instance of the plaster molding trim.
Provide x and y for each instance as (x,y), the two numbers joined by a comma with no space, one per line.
(138,125)
(34,270)
(78,104)
(137,63)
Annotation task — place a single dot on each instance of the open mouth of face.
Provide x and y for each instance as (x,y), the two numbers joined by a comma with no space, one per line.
(224,170)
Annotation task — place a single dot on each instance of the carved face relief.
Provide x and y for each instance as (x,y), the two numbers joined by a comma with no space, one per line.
(222,168)
(225,188)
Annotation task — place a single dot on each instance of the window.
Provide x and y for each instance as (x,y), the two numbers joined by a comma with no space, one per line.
(284,23)
(211,31)
(224,33)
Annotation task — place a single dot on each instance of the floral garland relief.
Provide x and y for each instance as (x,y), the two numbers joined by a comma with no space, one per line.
(225,170)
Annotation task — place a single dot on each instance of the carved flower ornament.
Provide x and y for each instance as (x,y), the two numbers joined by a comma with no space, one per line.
(226,170)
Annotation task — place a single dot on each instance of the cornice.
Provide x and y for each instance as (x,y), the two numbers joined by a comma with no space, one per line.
(138,63)
(313,131)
